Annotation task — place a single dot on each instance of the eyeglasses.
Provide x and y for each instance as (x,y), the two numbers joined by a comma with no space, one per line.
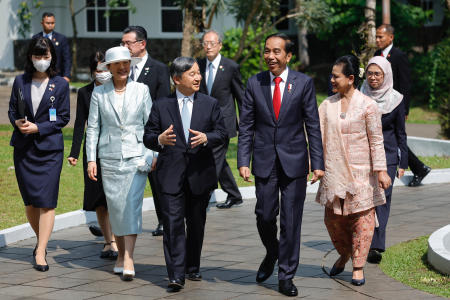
(129,43)
(375,74)
(212,44)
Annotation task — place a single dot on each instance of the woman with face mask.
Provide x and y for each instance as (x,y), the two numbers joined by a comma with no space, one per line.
(379,86)
(39,108)
(94,197)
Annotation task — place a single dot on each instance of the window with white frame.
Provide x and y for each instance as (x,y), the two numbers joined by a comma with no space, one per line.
(172,17)
(100,17)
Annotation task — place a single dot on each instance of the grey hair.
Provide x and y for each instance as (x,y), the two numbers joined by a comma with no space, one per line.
(219,35)
(388,28)
(180,65)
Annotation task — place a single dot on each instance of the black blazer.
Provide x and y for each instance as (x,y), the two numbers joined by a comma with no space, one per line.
(180,162)
(227,88)
(62,48)
(83,104)
(156,76)
(395,137)
(49,137)
(401,73)
(265,139)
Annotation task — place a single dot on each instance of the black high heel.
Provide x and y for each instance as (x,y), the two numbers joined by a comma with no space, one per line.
(359,282)
(40,268)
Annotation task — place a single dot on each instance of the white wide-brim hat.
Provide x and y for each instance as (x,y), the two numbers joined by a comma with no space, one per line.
(116,54)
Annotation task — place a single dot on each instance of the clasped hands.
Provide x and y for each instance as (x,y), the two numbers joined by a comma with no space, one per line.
(26,127)
(168,137)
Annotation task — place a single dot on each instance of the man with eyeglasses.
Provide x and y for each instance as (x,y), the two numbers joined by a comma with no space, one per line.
(221,79)
(155,75)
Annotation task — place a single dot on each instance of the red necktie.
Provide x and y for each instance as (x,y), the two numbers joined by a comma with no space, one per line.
(277,97)
(382,54)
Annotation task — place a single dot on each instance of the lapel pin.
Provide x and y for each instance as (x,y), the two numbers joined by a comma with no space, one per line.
(56,43)
(221,68)
(289,87)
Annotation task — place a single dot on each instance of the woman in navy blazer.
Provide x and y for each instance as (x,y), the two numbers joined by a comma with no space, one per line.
(379,87)
(39,108)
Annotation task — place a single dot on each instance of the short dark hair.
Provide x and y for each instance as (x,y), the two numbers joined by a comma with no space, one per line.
(141,33)
(94,59)
(288,45)
(388,28)
(47,14)
(180,65)
(350,66)
(40,46)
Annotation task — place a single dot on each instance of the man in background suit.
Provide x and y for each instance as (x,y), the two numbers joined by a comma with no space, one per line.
(184,128)
(278,107)
(155,75)
(62,48)
(221,79)
(402,83)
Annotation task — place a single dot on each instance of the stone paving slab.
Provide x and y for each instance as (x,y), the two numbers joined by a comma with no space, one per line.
(231,256)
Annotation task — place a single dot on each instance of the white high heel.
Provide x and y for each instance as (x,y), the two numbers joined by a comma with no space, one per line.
(118,270)
(128,275)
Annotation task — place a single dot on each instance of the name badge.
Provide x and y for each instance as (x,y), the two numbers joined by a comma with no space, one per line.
(52,113)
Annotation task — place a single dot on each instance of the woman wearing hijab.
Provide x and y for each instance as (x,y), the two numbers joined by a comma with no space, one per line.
(118,112)
(379,86)
(39,108)
(94,197)
(355,167)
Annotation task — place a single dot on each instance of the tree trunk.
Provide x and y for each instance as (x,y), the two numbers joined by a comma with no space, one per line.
(369,13)
(303,55)
(188,28)
(255,9)
(74,42)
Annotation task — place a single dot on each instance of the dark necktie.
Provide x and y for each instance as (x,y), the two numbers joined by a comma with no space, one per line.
(277,97)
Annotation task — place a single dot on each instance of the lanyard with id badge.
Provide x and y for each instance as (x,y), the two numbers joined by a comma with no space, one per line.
(52,110)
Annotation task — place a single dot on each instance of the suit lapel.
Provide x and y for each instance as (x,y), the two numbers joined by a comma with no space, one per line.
(289,89)
(196,113)
(109,88)
(265,86)
(49,92)
(128,100)
(27,95)
(174,112)
(202,65)
(219,75)
(146,72)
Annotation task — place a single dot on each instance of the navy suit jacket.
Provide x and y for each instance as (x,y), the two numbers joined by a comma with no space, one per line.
(227,87)
(62,48)
(401,74)
(49,137)
(180,162)
(394,135)
(156,76)
(262,136)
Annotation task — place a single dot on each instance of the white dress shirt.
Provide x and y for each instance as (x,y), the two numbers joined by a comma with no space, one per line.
(387,50)
(190,104)
(215,66)
(139,67)
(283,76)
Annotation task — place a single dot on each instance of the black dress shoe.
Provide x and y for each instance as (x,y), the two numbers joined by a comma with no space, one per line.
(287,288)
(194,276)
(159,230)
(265,269)
(417,178)
(335,270)
(175,285)
(374,256)
(229,203)
(95,230)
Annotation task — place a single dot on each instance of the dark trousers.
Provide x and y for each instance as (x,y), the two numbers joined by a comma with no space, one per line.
(414,163)
(156,200)
(382,211)
(183,243)
(224,174)
(268,204)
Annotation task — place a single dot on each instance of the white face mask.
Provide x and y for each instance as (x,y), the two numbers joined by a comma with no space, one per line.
(41,65)
(103,77)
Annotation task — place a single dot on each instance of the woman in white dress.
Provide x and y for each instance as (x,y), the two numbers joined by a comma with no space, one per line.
(118,113)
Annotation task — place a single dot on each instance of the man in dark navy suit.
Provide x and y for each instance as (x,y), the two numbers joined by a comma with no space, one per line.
(278,107)
(62,47)
(184,128)
(221,79)
(155,75)
(402,83)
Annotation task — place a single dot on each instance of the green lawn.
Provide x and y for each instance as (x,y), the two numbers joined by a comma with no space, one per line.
(407,263)
(422,115)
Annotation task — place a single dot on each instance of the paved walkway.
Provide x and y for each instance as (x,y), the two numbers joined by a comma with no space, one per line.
(231,255)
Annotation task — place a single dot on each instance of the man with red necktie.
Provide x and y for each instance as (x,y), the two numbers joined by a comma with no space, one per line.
(278,106)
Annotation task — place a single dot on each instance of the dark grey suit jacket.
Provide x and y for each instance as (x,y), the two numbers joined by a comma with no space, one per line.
(156,76)
(227,88)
